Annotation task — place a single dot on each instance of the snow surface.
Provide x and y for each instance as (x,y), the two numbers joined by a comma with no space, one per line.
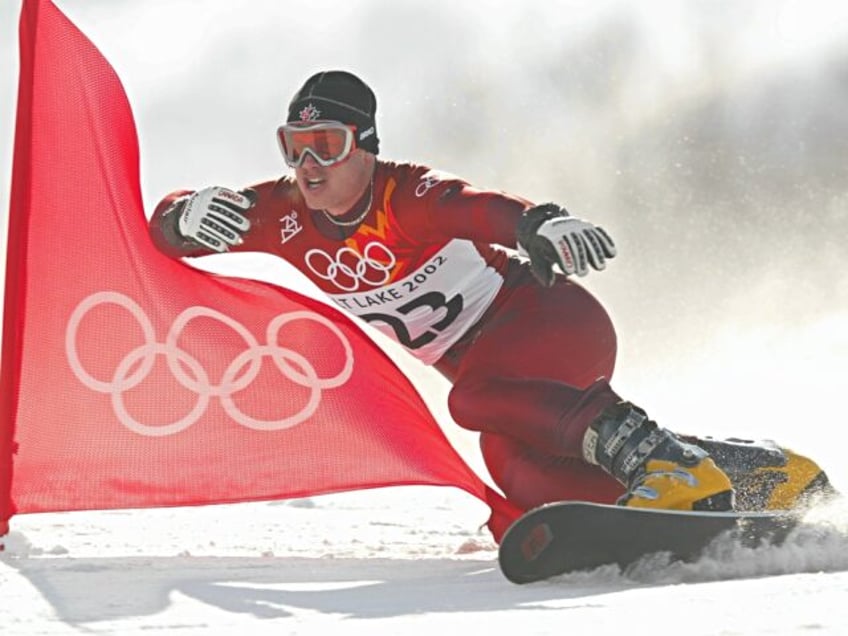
(397,561)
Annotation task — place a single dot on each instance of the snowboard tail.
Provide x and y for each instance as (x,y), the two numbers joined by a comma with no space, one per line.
(564,537)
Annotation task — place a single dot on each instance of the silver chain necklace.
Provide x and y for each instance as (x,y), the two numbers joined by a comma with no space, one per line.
(358,219)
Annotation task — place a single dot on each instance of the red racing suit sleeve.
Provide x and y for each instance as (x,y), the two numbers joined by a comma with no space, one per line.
(442,207)
(459,210)
(163,225)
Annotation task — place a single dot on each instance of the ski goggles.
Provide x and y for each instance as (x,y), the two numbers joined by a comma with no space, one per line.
(328,142)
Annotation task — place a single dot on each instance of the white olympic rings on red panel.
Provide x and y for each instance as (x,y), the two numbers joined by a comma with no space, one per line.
(190,373)
(362,268)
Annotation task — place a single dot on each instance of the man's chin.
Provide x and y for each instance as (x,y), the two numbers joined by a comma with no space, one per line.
(314,202)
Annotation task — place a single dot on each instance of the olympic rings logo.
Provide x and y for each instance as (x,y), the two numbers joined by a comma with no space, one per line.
(347,269)
(189,372)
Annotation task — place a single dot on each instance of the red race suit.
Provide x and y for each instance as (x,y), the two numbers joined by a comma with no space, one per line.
(430,266)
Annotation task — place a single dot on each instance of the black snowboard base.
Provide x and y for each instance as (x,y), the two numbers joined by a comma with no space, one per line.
(572,536)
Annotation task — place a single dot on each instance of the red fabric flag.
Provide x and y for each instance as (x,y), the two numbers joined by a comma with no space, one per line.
(131,380)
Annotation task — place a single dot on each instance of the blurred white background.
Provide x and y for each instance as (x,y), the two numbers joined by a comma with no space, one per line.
(708,137)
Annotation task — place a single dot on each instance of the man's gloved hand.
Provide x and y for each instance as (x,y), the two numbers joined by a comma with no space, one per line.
(214,217)
(548,236)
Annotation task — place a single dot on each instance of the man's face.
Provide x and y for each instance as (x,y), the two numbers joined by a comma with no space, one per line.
(334,188)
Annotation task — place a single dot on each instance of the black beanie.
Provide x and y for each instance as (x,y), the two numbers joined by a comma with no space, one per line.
(338,96)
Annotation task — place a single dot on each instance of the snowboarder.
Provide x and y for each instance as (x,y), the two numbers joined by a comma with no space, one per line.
(425,257)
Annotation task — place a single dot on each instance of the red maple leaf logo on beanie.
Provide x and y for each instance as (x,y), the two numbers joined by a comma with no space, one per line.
(309,113)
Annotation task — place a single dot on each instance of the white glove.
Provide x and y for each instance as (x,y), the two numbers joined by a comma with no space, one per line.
(214,217)
(548,236)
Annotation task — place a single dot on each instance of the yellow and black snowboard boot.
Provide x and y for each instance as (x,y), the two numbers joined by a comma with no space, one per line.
(766,476)
(657,468)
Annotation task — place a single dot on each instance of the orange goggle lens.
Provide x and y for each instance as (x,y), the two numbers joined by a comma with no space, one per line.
(328,143)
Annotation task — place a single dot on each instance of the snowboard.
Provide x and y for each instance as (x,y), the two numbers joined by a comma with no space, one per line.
(565,537)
